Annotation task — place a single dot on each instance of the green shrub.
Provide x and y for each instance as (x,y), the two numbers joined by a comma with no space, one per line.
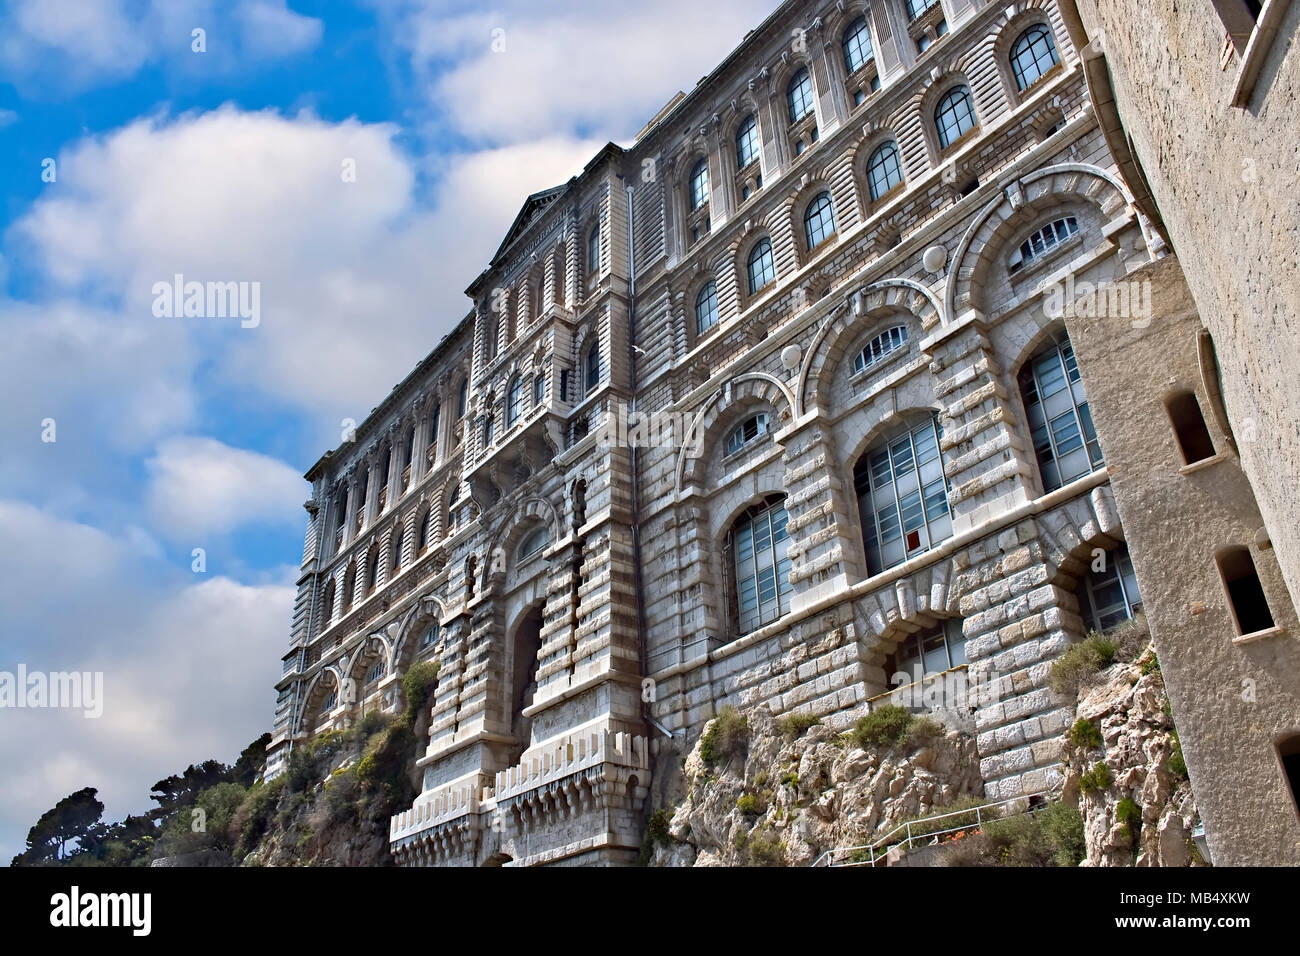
(792,726)
(727,737)
(1063,827)
(924,730)
(1129,814)
(763,850)
(747,803)
(656,834)
(1178,763)
(1085,734)
(791,779)
(1098,778)
(1081,661)
(417,683)
(886,726)
(760,778)
(1150,662)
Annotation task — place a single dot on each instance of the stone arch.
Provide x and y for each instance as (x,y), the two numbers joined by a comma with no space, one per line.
(1022,200)
(752,387)
(327,678)
(531,511)
(426,610)
(908,604)
(375,647)
(843,326)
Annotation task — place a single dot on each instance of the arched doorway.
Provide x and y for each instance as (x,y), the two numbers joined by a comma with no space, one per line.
(523,684)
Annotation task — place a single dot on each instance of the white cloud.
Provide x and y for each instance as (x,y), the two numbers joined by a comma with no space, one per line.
(575,66)
(73,45)
(199,486)
(189,665)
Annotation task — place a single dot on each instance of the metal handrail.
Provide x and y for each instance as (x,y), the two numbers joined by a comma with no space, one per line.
(888,841)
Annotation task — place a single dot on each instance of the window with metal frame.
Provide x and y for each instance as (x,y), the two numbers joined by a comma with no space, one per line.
(535,540)
(917,7)
(706,308)
(932,651)
(699,184)
(757,545)
(747,142)
(428,638)
(818,220)
(1032,55)
(903,496)
(593,250)
(799,95)
(857,46)
(762,266)
(748,430)
(1060,422)
(889,340)
(376,672)
(514,399)
(593,367)
(539,390)
(954,116)
(1042,240)
(884,171)
(1109,595)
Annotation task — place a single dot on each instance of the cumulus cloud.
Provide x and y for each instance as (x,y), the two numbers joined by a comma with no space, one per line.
(521,70)
(73,45)
(200,486)
(189,664)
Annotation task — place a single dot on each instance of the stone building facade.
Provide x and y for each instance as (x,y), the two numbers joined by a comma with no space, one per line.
(775,406)
(1197,103)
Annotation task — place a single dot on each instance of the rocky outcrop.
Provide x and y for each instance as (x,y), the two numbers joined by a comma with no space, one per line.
(786,794)
(1126,775)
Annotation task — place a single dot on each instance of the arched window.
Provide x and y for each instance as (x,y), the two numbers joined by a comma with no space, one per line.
(799,95)
(593,366)
(1042,240)
(747,142)
(1108,593)
(395,562)
(1032,55)
(490,334)
(462,398)
(1060,423)
(593,250)
(489,430)
(706,308)
(699,184)
(433,430)
(818,220)
(327,605)
(889,340)
(884,171)
(917,7)
(534,541)
(349,586)
(514,399)
(757,545)
(422,532)
(372,570)
(902,496)
(954,117)
(376,672)
(762,267)
(539,390)
(857,46)
(430,636)
(748,430)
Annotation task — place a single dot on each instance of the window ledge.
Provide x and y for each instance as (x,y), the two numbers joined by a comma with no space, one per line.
(1253,636)
(1040,262)
(1202,464)
(1257,50)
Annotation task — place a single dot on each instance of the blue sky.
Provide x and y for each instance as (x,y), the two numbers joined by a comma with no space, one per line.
(175,433)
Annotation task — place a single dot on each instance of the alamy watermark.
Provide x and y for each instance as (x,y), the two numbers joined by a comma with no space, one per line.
(208,300)
(68,690)
(1103,299)
(621,428)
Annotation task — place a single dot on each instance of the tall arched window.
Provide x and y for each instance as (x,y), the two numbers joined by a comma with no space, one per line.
(372,569)
(884,171)
(349,586)
(539,390)
(954,117)
(489,430)
(857,46)
(514,399)
(799,95)
(747,142)
(902,496)
(1032,55)
(757,545)
(699,184)
(818,220)
(422,531)
(706,308)
(762,266)
(593,366)
(490,335)
(395,556)
(327,605)
(433,431)
(1060,423)
(462,398)
(593,250)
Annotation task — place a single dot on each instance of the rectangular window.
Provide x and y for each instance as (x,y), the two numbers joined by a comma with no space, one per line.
(1189,427)
(1246,599)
